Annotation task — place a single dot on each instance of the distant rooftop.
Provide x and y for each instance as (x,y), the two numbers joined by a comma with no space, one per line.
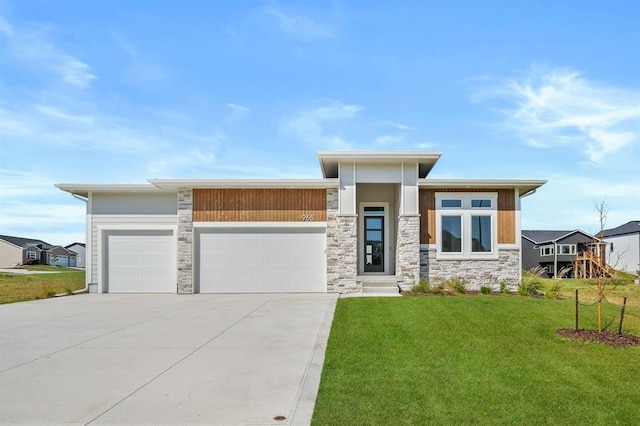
(540,237)
(632,227)
(23,242)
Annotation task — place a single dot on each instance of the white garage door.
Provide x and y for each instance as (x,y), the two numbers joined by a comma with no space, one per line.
(59,260)
(265,260)
(140,262)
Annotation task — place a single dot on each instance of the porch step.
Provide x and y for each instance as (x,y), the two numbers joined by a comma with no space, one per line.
(380,284)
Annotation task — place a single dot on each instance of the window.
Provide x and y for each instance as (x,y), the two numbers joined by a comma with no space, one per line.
(451,234)
(549,269)
(566,249)
(547,250)
(480,203)
(466,225)
(31,255)
(451,203)
(481,234)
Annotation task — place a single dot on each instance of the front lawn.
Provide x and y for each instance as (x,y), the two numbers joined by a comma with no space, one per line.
(473,360)
(19,288)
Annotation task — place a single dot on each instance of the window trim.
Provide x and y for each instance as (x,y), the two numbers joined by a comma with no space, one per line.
(31,255)
(551,249)
(572,249)
(466,212)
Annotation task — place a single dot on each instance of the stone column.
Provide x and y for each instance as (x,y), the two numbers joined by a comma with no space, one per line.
(408,250)
(185,241)
(342,248)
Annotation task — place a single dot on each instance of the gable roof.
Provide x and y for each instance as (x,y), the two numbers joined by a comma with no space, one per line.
(631,227)
(23,242)
(541,237)
(75,244)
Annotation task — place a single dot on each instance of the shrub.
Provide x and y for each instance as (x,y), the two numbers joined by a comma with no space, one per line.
(503,287)
(530,287)
(485,289)
(552,292)
(440,288)
(421,287)
(457,284)
(47,293)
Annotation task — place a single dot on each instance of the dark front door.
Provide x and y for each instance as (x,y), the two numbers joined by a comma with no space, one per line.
(373,242)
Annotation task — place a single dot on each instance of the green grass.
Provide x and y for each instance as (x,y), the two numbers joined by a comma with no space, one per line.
(20,288)
(473,360)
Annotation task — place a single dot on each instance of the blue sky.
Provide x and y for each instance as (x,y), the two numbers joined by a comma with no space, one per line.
(122,91)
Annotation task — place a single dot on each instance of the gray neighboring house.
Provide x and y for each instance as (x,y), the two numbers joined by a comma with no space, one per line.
(16,251)
(80,249)
(624,251)
(553,250)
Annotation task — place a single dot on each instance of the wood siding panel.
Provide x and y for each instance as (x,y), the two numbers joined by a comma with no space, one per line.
(259,205)
(427,206)
(506,216)
(506,213)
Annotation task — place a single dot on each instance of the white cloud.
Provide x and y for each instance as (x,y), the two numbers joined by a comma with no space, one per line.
(567,202)
(32,47)
(300,26)
(386,140)
(30,206)
(399,126)
(186,161)
(547,108)
(425,145)
(314,125)
(236,112)
(5,27)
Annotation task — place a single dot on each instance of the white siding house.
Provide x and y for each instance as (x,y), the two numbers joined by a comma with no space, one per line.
(373,221)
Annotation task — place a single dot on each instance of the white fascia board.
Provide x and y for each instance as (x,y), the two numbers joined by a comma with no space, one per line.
(85,189)
(329,160)
(174,184)
(524,186)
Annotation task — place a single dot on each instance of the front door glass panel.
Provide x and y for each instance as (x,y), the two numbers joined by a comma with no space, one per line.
(374,239)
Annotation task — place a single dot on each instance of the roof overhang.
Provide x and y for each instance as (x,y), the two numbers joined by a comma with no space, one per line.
(174,184)
(524,187)
(329,160)
(84,190)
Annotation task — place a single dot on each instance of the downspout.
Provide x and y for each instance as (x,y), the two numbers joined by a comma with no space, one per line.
(86,282)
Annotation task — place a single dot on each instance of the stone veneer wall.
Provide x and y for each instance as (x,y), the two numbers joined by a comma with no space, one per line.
(408,250)
(342,248)
(475,272)
(185,241)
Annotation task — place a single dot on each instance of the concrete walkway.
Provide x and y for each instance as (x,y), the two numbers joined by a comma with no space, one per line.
(163,359)
(25,271)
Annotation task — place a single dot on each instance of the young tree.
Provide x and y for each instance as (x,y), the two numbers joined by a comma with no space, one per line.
(604,278)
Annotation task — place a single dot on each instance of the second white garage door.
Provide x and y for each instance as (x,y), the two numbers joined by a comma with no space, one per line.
(261,260)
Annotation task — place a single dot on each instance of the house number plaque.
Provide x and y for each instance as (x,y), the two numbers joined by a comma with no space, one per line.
(308,218)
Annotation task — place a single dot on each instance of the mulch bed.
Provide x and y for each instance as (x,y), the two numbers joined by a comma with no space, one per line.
(606,337)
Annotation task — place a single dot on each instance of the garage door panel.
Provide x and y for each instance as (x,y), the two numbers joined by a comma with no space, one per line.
(262,260)
(140,262)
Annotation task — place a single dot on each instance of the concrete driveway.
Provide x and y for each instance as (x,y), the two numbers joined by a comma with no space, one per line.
(208,359)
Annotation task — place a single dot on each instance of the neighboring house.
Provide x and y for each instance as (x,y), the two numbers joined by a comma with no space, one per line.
(16,251)
(80,249)
(625,246)
(374,221)
(554,251)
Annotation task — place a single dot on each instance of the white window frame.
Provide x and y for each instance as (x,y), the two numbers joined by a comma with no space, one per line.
(467,212)
(32,255)
(549,247)
(572,249)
